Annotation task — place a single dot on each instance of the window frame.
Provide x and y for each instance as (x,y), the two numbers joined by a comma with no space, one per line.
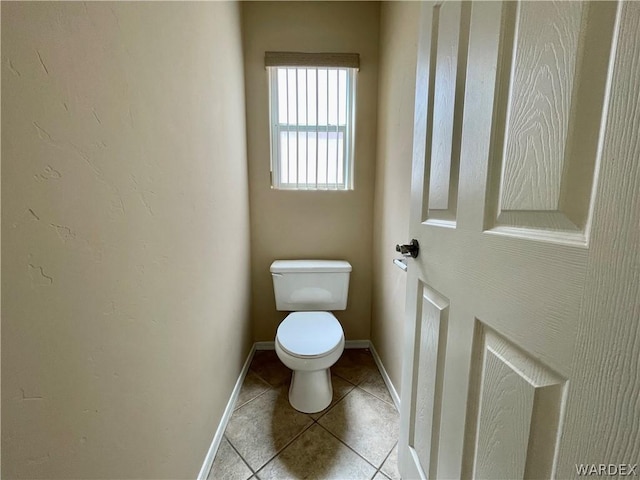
(347,131)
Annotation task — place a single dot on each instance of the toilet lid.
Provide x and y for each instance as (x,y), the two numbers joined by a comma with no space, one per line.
(307,334)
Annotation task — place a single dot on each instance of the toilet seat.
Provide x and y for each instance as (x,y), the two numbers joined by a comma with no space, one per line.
(309,334)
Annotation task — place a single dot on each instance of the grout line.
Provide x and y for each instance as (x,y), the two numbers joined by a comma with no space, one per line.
(241,457)
(330,407)
(346,380)
(391,404)
(257,375)
(340,376)
(342,441)
(286,446)
(385,459)
(378,372)
(384,475)
(349,447)
(249,401)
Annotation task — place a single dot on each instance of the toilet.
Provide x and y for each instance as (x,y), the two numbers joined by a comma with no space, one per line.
(310,339)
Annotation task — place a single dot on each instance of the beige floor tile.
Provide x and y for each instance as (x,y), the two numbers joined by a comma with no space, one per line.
(390,465)
(365,423)
(373,383)
(340,389)
(269,368)
(261,428)
(228,465)
(252,386)
(316,454)
(380,476)
(355,365)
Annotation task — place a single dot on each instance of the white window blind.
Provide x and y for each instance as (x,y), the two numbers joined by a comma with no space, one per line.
(312,122)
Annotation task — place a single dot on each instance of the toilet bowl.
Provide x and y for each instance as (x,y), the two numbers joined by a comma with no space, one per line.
(309,343)
(310,339)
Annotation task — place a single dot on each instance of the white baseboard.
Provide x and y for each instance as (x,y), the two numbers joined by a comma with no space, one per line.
(228,411)
(385,376)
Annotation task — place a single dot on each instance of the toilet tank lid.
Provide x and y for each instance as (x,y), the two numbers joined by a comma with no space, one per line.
(310,266)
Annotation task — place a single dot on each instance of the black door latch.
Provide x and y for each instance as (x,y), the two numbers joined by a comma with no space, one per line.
(409,250)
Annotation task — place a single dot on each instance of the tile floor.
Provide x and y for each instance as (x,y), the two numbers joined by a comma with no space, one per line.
(354,438)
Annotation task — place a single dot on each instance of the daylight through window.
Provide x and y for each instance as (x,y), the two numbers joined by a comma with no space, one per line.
(312,127)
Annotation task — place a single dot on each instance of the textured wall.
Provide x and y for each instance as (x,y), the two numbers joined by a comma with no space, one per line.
(124,208)
(289,224)
(398,50)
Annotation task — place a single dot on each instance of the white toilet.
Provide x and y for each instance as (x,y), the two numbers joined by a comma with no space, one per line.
(310,340)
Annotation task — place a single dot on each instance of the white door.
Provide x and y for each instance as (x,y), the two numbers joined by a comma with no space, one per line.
(522,346)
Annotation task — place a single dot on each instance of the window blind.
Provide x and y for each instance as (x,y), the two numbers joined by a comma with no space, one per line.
(301,59)
(312,124)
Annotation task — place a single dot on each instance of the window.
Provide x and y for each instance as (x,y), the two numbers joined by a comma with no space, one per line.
(312,120)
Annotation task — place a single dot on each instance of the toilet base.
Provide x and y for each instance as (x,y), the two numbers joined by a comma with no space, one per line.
(310,392)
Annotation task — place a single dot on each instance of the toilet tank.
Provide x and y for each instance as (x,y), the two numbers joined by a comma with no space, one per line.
(310,284)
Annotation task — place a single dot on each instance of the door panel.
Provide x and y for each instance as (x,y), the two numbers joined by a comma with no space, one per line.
(541,81)
(450,36)
(514,411)
(547,117)
(505,182)
(431,340)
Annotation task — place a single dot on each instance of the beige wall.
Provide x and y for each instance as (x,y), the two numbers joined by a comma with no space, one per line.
(124,223)
(398,50)
(286,224)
